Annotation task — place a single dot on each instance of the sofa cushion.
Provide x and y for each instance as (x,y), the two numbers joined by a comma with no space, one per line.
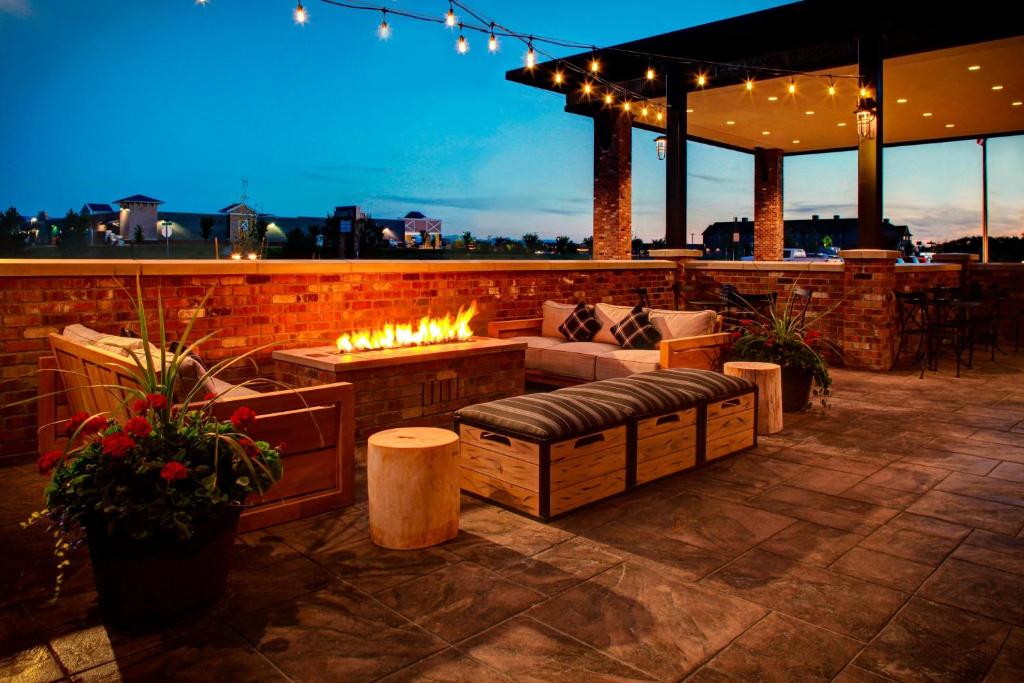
(554,314)
(580,325)
(609,315)
(625,362)
(573,359)
(548,417)
(534,346)
(709,384)
(635,331)
(680,324)
(636,398)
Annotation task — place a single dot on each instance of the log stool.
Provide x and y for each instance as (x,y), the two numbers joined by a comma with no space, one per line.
(768,378)
(413,482)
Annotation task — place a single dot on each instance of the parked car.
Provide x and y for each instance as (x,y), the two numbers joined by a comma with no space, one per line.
(793,254)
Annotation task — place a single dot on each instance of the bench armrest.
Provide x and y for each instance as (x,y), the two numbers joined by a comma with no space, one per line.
(503,329)
(702,352)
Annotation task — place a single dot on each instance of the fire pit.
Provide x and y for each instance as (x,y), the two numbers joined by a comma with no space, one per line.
(403,378)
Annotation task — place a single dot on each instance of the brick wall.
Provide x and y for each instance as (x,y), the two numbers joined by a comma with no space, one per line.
(613,163)
(911,278)
(768,225)
(296,303)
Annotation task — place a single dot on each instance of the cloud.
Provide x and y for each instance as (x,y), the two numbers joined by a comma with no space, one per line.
(492,203)
(711,178)
(17,8)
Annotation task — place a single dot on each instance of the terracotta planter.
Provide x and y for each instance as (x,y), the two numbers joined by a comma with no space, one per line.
(149,582)
(796,389)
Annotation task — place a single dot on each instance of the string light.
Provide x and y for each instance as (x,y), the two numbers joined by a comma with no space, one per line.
(301,16)
(608,99)
(749,84)
(831,87)
(449,19)
(558,78)
(492,42)
(462,45)
(863,92)
(792,87)
(650,74)
(595,65)
(643,111)
(702,79)
(385,30)
(531,56)
(659,116)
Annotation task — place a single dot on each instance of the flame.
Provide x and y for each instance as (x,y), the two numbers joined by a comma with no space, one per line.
(428,331)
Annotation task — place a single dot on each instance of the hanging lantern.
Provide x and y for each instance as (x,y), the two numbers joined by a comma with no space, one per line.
(865,113)
(661,145)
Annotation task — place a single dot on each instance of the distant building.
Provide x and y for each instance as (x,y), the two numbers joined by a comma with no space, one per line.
(138,211)
(808,234)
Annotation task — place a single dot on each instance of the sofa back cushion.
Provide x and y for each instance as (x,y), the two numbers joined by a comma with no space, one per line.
(554,314)
(609,315)
(679,324)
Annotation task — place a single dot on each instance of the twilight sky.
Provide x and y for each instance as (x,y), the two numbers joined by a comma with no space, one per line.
(167,98)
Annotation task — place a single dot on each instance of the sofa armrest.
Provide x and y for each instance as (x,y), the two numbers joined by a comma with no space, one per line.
(703,352)
(503,329)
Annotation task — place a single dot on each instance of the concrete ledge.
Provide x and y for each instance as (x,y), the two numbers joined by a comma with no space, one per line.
(89,267)
(774,266)
(929,267)
(676,253)
(880,254)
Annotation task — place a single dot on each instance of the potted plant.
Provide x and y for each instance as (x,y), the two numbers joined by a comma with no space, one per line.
(784,334)
(155,488)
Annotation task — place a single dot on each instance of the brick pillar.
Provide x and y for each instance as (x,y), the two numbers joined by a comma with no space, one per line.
(868,312)
(682,289)
(768,226)
(613,218)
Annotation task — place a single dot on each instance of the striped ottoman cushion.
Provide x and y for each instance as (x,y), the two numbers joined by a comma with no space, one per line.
(547,417)
(708,384)
(636,398)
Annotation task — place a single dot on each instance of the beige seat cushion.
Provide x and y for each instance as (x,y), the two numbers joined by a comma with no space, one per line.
(554,314)
(681,324)
(573,359)
(624,362)
(534,346)
(609,315)
(227,390)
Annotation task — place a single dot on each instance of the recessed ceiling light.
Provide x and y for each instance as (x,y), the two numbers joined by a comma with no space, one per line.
(689,111)
(809,113)
(730,123)
(1016,104)
(973,67)
(841,124)
(950,125)
(773,98)
(927,113)
(766,132)
(796,142)
(997,87)
(902,100)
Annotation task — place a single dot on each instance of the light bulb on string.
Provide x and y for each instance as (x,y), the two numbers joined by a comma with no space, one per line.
(643,111)
(749,84)
(650,73)
(531,56)
(462,45)
(587,88)
(791,89)
(449,18)
(659,116)
(492,41)
(595,65)
(608,99)
(863,92)
(559,78)
(831,87)
(702,79)
(301,15)
(384,31)
(626,106)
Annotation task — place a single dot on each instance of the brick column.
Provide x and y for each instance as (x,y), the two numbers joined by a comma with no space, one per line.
(681,289)
(868,313)
(613,218)
(768,226)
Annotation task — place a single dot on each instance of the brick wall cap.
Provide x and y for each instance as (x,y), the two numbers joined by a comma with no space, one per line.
(877,254)
(955,257)
(90,267)
(774,266)
(676,253)
(930,267)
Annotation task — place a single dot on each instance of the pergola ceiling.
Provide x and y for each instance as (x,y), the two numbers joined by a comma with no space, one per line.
(938,83)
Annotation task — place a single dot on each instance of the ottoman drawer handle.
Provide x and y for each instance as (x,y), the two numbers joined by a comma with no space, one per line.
(587,440)
(496,438)
(665,419)
(731,403)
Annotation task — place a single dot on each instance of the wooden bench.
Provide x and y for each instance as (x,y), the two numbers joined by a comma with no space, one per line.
(316,424)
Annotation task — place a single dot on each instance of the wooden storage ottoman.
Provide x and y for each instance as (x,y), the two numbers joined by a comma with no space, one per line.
(728,419)
(663,434)
(543,454)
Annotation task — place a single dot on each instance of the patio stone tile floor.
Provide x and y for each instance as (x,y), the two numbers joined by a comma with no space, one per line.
(884,541)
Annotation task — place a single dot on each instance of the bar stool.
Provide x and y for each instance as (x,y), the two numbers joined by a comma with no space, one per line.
(912,321)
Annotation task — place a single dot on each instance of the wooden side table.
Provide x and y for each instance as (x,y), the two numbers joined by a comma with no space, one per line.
(768,378)
(413,482)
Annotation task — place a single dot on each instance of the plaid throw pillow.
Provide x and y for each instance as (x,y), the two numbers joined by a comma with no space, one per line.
(635,331)
(581,325)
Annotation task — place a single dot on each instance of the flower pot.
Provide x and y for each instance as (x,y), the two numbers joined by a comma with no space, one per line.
(149,582)
(796,388)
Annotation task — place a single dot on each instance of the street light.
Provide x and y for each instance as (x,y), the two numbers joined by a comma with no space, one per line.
(167,236)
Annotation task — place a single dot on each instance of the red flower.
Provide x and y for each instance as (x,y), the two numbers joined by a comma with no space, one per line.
(769,342)
(88,424)
(157,401)
(138,427)
(812,336)
(94,424)
(173,470)
(746,322)
(210,396)
(249,446)
(48,460)
(117,445)
(243,418)
(140,405)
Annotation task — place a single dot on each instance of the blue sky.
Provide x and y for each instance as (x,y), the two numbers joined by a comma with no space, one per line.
(107,98)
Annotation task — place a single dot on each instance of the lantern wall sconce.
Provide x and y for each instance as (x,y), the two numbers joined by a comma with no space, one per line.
(661,145)
(866,115)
